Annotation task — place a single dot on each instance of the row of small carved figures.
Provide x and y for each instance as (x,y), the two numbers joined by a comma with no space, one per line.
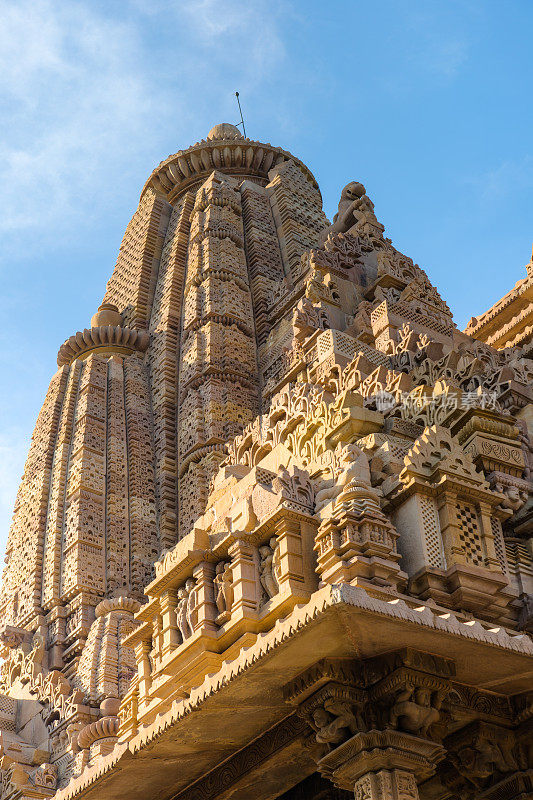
(268,571)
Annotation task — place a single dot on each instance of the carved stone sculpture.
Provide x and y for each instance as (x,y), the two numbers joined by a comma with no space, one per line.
(334,722)
(352,465)
(224,587)
(413,711)
(346,216)
(267,568)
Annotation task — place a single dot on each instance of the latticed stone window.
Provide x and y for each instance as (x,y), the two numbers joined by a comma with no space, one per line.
(470,534)
(432,534)
(499,543)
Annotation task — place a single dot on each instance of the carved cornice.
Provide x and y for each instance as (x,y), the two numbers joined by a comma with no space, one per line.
(483,325)
(232,155)
(373,750)
(104,337)
(341,670)
(104,728)
(124,604)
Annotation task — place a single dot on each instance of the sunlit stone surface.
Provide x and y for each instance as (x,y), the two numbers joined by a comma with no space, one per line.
(273,537)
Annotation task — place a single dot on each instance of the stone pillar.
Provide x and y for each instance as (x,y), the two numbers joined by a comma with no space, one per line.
(144,670)
(492,561)
(170,632)
(246,587)
(449,527)
(156,652)
(206,610)
(386,785)
(291,576)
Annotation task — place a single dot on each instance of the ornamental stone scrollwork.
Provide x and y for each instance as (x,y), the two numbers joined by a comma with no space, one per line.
(99,737)
(309,317)
(23,661)
(46,776)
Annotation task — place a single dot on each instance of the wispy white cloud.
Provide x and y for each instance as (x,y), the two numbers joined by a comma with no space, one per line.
(87,94)
(235,42)
(78,104)
(84,92)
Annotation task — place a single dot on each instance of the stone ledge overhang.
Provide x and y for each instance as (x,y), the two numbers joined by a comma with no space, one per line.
(244,158)
(244,698)
(491,321)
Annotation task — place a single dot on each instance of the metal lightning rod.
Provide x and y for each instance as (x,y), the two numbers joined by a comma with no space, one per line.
(240,111)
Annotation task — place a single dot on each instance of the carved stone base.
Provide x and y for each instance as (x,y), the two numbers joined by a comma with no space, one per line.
(473,589)
(358,545)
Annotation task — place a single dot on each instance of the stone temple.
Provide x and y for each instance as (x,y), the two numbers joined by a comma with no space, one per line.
(273,536)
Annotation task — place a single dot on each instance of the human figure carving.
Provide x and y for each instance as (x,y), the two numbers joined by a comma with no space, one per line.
(354,466)
(334,721)
(223,587)
(182,613)
(514,497)
(267,568)
(481,760)
(413,711)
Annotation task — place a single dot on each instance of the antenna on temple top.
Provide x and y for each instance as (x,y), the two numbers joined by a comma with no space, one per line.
(240,111)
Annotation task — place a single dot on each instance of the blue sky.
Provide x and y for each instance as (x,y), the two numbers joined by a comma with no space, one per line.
(428,102)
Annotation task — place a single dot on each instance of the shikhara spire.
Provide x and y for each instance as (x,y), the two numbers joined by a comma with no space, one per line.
(272,477)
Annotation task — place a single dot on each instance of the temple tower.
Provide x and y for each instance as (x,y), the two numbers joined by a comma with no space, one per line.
(136,420)
(274,533)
